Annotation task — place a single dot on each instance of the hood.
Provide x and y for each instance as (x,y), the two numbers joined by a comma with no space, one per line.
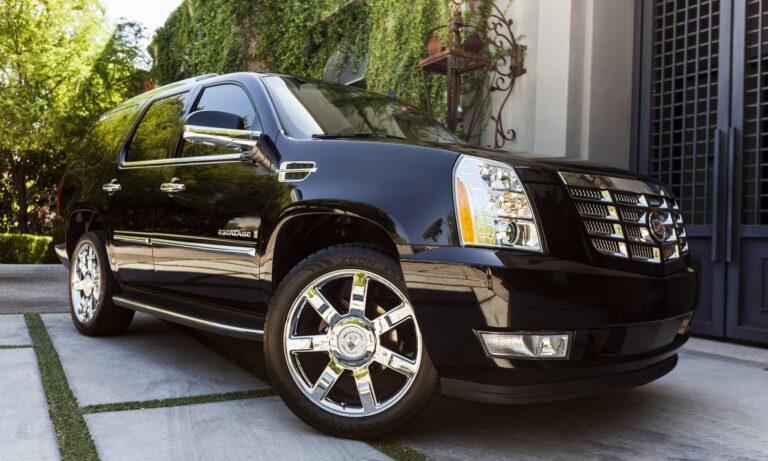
(542,170)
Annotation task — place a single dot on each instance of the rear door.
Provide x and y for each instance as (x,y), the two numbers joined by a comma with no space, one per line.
(132,189)
(206,236)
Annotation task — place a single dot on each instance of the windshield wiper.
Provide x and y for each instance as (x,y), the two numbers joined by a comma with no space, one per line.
(355,134)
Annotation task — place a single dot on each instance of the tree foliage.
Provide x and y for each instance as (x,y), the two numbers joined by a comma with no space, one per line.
(60,66)
(298,37)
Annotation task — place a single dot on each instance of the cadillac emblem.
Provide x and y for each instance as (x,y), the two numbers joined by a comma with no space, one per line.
(657,227)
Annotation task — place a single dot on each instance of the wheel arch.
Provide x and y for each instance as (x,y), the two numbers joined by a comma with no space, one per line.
(300,234)
(80,221)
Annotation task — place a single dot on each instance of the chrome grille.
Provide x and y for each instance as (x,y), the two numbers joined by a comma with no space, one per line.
(610,247)
(590,194)
(621,223)
(603,228)
(632,215)
(594,210)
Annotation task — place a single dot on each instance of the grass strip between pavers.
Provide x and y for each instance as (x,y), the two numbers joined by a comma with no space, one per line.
(397,450)
(14,347)
(177,402)
(75,442)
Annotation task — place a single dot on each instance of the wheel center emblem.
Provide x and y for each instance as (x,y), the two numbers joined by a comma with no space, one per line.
(352,342)
(88,286)
(657,227)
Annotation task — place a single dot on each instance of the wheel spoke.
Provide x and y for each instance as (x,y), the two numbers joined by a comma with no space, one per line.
(318,343)
(359,293)
(322,306)
(77,285)
(391,319)
(326,381)
(365,389)
(395,361)
(81,265)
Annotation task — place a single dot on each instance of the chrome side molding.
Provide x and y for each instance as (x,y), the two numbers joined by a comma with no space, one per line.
(166,242)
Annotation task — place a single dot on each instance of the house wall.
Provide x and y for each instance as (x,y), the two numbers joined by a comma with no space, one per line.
(575,101)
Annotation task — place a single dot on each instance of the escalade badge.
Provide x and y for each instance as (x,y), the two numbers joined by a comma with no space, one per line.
(236,233)
(657,227)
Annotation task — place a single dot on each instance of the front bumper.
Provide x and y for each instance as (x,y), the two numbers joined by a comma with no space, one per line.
(532,393)
(625,325)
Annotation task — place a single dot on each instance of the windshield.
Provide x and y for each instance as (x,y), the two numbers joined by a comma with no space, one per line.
(309,108)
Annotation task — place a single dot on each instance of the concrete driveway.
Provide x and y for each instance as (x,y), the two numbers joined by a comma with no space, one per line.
(165,393)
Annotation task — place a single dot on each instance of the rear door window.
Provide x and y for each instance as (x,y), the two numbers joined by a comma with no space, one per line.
(158,133)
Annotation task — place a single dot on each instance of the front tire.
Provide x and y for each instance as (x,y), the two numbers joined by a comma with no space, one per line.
(343,346)
(91,287)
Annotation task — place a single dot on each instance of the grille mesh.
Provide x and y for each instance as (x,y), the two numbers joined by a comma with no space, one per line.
(587,194)
(610,247)
(599,228)
(631,215)
(594,210)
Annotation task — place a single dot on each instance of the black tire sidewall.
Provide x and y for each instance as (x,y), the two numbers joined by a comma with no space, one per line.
(413,403)
(104,301)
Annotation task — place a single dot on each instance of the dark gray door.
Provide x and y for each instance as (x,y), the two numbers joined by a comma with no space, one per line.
(747,220)
(702,99)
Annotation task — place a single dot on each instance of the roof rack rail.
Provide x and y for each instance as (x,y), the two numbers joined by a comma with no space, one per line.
(205,77)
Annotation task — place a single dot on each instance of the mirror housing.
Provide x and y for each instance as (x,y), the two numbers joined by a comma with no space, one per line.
(222,129)
(215,119)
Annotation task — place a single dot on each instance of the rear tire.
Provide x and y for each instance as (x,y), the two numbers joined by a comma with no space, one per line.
(365,372)
(91,287)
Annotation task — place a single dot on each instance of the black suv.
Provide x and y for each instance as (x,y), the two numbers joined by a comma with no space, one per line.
(380,259)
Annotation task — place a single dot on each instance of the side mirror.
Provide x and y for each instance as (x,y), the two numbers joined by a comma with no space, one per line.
(219,129)
(222,129)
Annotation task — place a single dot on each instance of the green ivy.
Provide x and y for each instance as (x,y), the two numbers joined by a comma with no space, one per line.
(298,37)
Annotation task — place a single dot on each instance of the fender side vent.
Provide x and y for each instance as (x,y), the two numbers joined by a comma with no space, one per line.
(295,171)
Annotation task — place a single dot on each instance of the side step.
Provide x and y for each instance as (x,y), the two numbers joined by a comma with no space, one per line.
(191,318)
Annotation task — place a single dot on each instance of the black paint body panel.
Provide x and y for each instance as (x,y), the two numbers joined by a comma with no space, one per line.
(623,313)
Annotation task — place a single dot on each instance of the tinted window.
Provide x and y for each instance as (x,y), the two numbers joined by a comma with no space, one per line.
(309,107)
(232,99)
(158,133)
(103,141)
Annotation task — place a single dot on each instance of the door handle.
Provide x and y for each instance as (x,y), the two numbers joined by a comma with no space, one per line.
(112,187)
(173,187)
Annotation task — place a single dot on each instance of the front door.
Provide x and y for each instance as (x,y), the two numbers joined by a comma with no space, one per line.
(703,131)
(206,235)
(133,187)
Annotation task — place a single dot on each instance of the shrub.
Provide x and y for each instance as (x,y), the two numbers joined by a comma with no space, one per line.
(26,249)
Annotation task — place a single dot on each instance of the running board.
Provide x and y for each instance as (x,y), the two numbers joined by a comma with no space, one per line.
(189,319)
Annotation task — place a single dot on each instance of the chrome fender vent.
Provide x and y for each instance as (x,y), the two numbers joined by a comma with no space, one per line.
(295,171)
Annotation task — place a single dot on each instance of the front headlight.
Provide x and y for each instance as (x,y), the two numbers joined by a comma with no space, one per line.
(492,207)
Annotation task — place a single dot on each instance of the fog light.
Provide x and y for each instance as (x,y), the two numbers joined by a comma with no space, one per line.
(526,345)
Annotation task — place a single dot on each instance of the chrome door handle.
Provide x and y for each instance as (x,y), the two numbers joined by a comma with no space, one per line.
(112,187)
(173,187)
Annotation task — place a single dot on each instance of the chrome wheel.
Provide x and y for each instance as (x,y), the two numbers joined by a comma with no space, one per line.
(85,283)
(352,343)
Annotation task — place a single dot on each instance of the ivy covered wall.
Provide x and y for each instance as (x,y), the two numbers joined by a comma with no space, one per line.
(298,36)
